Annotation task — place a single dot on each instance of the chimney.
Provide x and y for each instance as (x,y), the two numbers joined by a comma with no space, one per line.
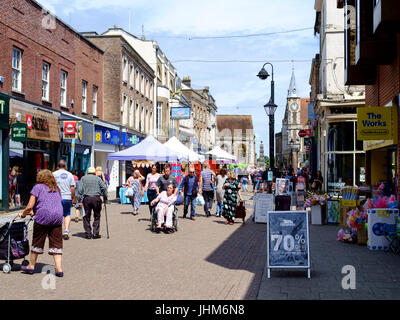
(206,89)
(186,81)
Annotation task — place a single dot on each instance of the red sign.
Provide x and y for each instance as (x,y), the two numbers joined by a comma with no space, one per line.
(308,132)
(69,127)
(29,121)
(302,133)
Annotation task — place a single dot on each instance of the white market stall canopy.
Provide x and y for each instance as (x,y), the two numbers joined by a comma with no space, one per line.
(148,149)
(174,144)
(221,155)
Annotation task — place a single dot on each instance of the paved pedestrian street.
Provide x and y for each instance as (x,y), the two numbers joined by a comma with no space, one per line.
(205,259)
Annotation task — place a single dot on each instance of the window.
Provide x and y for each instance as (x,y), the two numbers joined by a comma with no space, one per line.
(142,120)
(142,84)
(94,106)
(63,89)
(147,89)
(84,93)
(16,69)
(131,112)
(125,69)
(45,81)
(159,118)
(137,80)
(124,110)
(147,121)
(131,76)
(151,91)
(137,115)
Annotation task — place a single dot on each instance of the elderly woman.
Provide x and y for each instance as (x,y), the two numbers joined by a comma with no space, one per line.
(232,189)
(221,178)
(165,208)
(45,201)
(135,191)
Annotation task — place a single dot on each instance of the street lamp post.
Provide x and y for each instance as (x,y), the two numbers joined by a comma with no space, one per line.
(270,109)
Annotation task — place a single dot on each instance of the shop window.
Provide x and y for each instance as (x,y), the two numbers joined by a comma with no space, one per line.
(360,169)
(340,170)
(341,136)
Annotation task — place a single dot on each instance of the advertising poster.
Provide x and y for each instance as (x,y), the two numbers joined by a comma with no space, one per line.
(282,186)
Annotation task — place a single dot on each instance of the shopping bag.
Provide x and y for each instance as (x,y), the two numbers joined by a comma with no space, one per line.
(241,211)
(199,201)
(128,192)
(19,249)
(179,200)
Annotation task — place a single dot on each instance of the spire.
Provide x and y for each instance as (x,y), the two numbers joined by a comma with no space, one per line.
(292,92)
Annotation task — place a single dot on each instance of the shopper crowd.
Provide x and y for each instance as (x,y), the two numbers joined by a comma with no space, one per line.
(56,193)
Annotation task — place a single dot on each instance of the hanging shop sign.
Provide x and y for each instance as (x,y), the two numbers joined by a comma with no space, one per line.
(180,113)
(70,130)
(302,133)
(29,121)
(374,123)
(19,132)
(107,135)
(288,240)
(129,140)
(4,111)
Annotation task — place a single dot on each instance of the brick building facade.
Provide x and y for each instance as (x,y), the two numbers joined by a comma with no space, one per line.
(34,37)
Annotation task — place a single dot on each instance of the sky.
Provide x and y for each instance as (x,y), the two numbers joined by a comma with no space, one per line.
(189,30)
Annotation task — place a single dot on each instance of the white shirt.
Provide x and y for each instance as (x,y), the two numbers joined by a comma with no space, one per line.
(65,180)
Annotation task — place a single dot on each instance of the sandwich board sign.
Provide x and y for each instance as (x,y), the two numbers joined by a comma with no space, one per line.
(288,244)
(263,202)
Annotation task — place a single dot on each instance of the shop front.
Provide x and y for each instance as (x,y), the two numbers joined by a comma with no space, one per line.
(36,151)
(382,155)
(343,157)
(77,143)
(107,140)
(4,131)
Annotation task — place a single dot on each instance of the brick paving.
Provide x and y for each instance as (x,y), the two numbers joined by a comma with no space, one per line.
(205,259)
(377,272)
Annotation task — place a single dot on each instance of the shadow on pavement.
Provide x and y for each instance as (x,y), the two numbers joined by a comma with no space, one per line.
(245,249)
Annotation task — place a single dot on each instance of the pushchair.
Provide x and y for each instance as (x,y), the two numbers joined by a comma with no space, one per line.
(14,244)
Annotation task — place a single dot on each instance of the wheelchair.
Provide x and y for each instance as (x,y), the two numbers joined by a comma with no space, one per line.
(154,220)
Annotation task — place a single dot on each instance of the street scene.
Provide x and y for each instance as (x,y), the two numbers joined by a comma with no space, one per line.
(174,155)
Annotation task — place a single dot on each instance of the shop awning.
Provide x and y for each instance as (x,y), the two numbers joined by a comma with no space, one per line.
(149,149)
(174,144)
(222,155)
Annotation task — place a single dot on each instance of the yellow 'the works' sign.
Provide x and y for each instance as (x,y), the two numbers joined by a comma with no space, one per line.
(374,123)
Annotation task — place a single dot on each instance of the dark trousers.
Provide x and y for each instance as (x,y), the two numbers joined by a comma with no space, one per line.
(89,204)
(151,195)
(208,201)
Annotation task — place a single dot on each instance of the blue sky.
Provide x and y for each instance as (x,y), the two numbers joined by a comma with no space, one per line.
(234,86)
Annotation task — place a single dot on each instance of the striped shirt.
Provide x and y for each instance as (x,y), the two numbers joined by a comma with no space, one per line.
(206,183)
(92,185)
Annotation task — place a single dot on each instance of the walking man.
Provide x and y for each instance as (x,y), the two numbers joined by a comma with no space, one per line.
(91,188)
(165,180)
(190,188)
(207,178)
(66,183)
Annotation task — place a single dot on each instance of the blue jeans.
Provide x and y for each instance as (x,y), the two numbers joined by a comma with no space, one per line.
(189,200)
(244,187)
(220,206)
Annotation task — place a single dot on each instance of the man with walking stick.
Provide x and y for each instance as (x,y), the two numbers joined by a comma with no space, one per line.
(92,188)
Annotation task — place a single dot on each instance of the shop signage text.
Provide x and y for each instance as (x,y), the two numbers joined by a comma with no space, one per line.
(4,111)
(180,113)
(374,123)
(106,135)
(70,130)
(19,132)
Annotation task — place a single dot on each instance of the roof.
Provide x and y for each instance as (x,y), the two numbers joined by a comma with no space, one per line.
(292,87)
(234,122)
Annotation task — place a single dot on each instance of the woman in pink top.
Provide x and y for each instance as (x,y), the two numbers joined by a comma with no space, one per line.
(150,187)
(165,208)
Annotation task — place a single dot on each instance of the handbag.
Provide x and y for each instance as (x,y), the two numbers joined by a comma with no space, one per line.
(240,211)
(314,185)
(19,249)
(128,192)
